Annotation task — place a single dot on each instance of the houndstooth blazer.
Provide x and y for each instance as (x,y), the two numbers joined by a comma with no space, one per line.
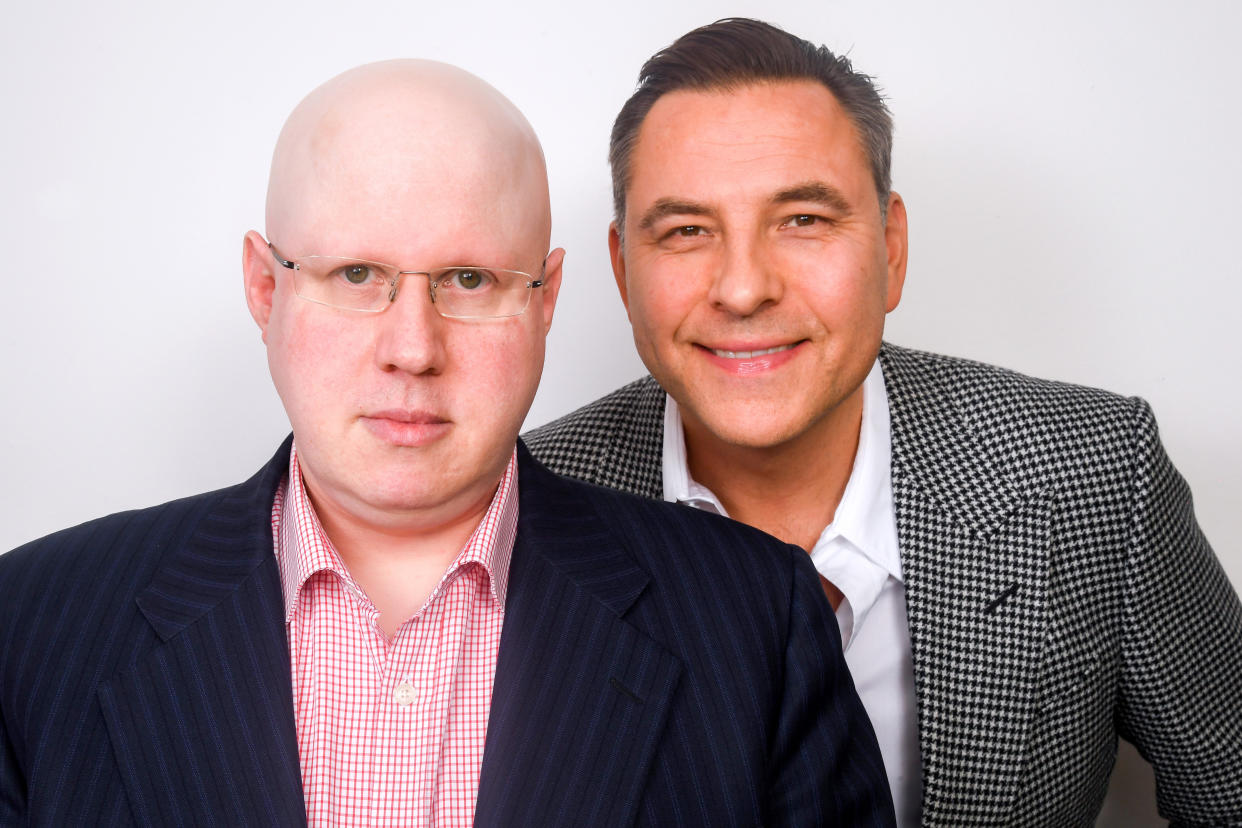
(1059,591)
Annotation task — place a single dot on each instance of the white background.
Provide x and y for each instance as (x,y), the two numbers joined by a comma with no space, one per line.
(1071,171)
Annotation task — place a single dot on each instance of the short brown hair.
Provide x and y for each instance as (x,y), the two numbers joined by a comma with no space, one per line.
(738,51)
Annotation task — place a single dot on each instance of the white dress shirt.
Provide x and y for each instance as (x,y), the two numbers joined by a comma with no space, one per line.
(858,553)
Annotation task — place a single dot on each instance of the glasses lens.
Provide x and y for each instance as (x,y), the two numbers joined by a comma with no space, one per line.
(459,292)
(479,292)
(354,284)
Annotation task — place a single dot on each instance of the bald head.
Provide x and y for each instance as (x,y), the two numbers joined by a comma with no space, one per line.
(397,135)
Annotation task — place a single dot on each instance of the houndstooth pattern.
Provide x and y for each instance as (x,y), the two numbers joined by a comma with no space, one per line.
(615,441)
(1059,591)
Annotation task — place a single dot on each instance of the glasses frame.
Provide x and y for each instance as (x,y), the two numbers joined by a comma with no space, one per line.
(531,284)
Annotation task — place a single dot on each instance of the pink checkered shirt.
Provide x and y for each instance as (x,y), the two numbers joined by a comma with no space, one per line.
(391,732)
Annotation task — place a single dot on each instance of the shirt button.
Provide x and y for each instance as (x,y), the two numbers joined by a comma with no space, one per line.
(404,694)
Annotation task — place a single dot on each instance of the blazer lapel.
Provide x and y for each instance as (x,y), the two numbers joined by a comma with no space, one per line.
(974,550)
(580,697)
(203,728)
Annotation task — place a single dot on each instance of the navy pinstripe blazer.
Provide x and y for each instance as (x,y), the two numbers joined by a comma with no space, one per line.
(144,672)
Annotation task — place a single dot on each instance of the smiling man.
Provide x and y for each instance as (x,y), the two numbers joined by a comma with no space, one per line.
(403,619)
(1015,565)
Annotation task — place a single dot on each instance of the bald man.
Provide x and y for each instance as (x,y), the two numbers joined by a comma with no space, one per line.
(402,619)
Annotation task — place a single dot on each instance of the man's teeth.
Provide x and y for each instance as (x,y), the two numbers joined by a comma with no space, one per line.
(749,354)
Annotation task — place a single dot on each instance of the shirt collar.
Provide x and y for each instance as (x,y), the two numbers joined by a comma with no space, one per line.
(864,517)
(679,486)
(303,548)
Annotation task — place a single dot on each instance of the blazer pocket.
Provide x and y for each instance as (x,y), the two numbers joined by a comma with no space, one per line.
(1076,692)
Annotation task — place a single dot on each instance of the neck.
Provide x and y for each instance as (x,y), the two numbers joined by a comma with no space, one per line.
(790,490)
(397,566)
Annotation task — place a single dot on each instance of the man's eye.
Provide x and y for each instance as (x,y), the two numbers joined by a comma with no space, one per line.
(802,220)
(468,279)
(684,231)
(355,274)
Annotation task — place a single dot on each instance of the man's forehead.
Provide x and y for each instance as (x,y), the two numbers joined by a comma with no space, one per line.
(750,110)
(419,230)
(755,140)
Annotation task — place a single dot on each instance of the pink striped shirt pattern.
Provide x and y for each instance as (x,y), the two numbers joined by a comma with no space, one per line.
(391,732)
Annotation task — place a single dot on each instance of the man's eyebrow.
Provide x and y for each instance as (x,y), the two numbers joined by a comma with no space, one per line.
(816,192)
(672,207)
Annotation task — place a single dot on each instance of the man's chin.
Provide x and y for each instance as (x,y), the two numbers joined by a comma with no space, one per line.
(397,505)
(745,428)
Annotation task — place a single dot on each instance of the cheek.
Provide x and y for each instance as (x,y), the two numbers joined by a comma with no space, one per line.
(662,297)
(315,358)
(845,295)
(497,364)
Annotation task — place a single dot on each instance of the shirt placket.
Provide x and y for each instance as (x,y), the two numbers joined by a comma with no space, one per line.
(409,707)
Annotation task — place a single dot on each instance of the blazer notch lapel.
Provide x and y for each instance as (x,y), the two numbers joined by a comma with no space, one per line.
(557,524)
(201,576)
(602,571)
(204,725)
(220,552)
(937,412)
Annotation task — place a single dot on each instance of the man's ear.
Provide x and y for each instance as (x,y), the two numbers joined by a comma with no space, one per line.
(616,251)
(551,285)
(896,243)
(259,273)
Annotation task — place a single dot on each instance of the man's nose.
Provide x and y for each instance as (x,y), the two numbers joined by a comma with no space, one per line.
(412,332)
(746,279)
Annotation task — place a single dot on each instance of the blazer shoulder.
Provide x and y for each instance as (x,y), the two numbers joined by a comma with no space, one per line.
(615,441)
(124,547)
(662,538)
(991,386)
(82,584)
(137,540)
(1020,420)
(99,533)
(670,538)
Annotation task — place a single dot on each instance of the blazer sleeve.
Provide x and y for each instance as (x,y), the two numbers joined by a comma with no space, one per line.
(826,764)
(12,780)
(12,785)
(1180,699)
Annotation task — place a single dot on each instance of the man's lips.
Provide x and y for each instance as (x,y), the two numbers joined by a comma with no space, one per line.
(401,427)
(401,415)
(748,359)
(727,353)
